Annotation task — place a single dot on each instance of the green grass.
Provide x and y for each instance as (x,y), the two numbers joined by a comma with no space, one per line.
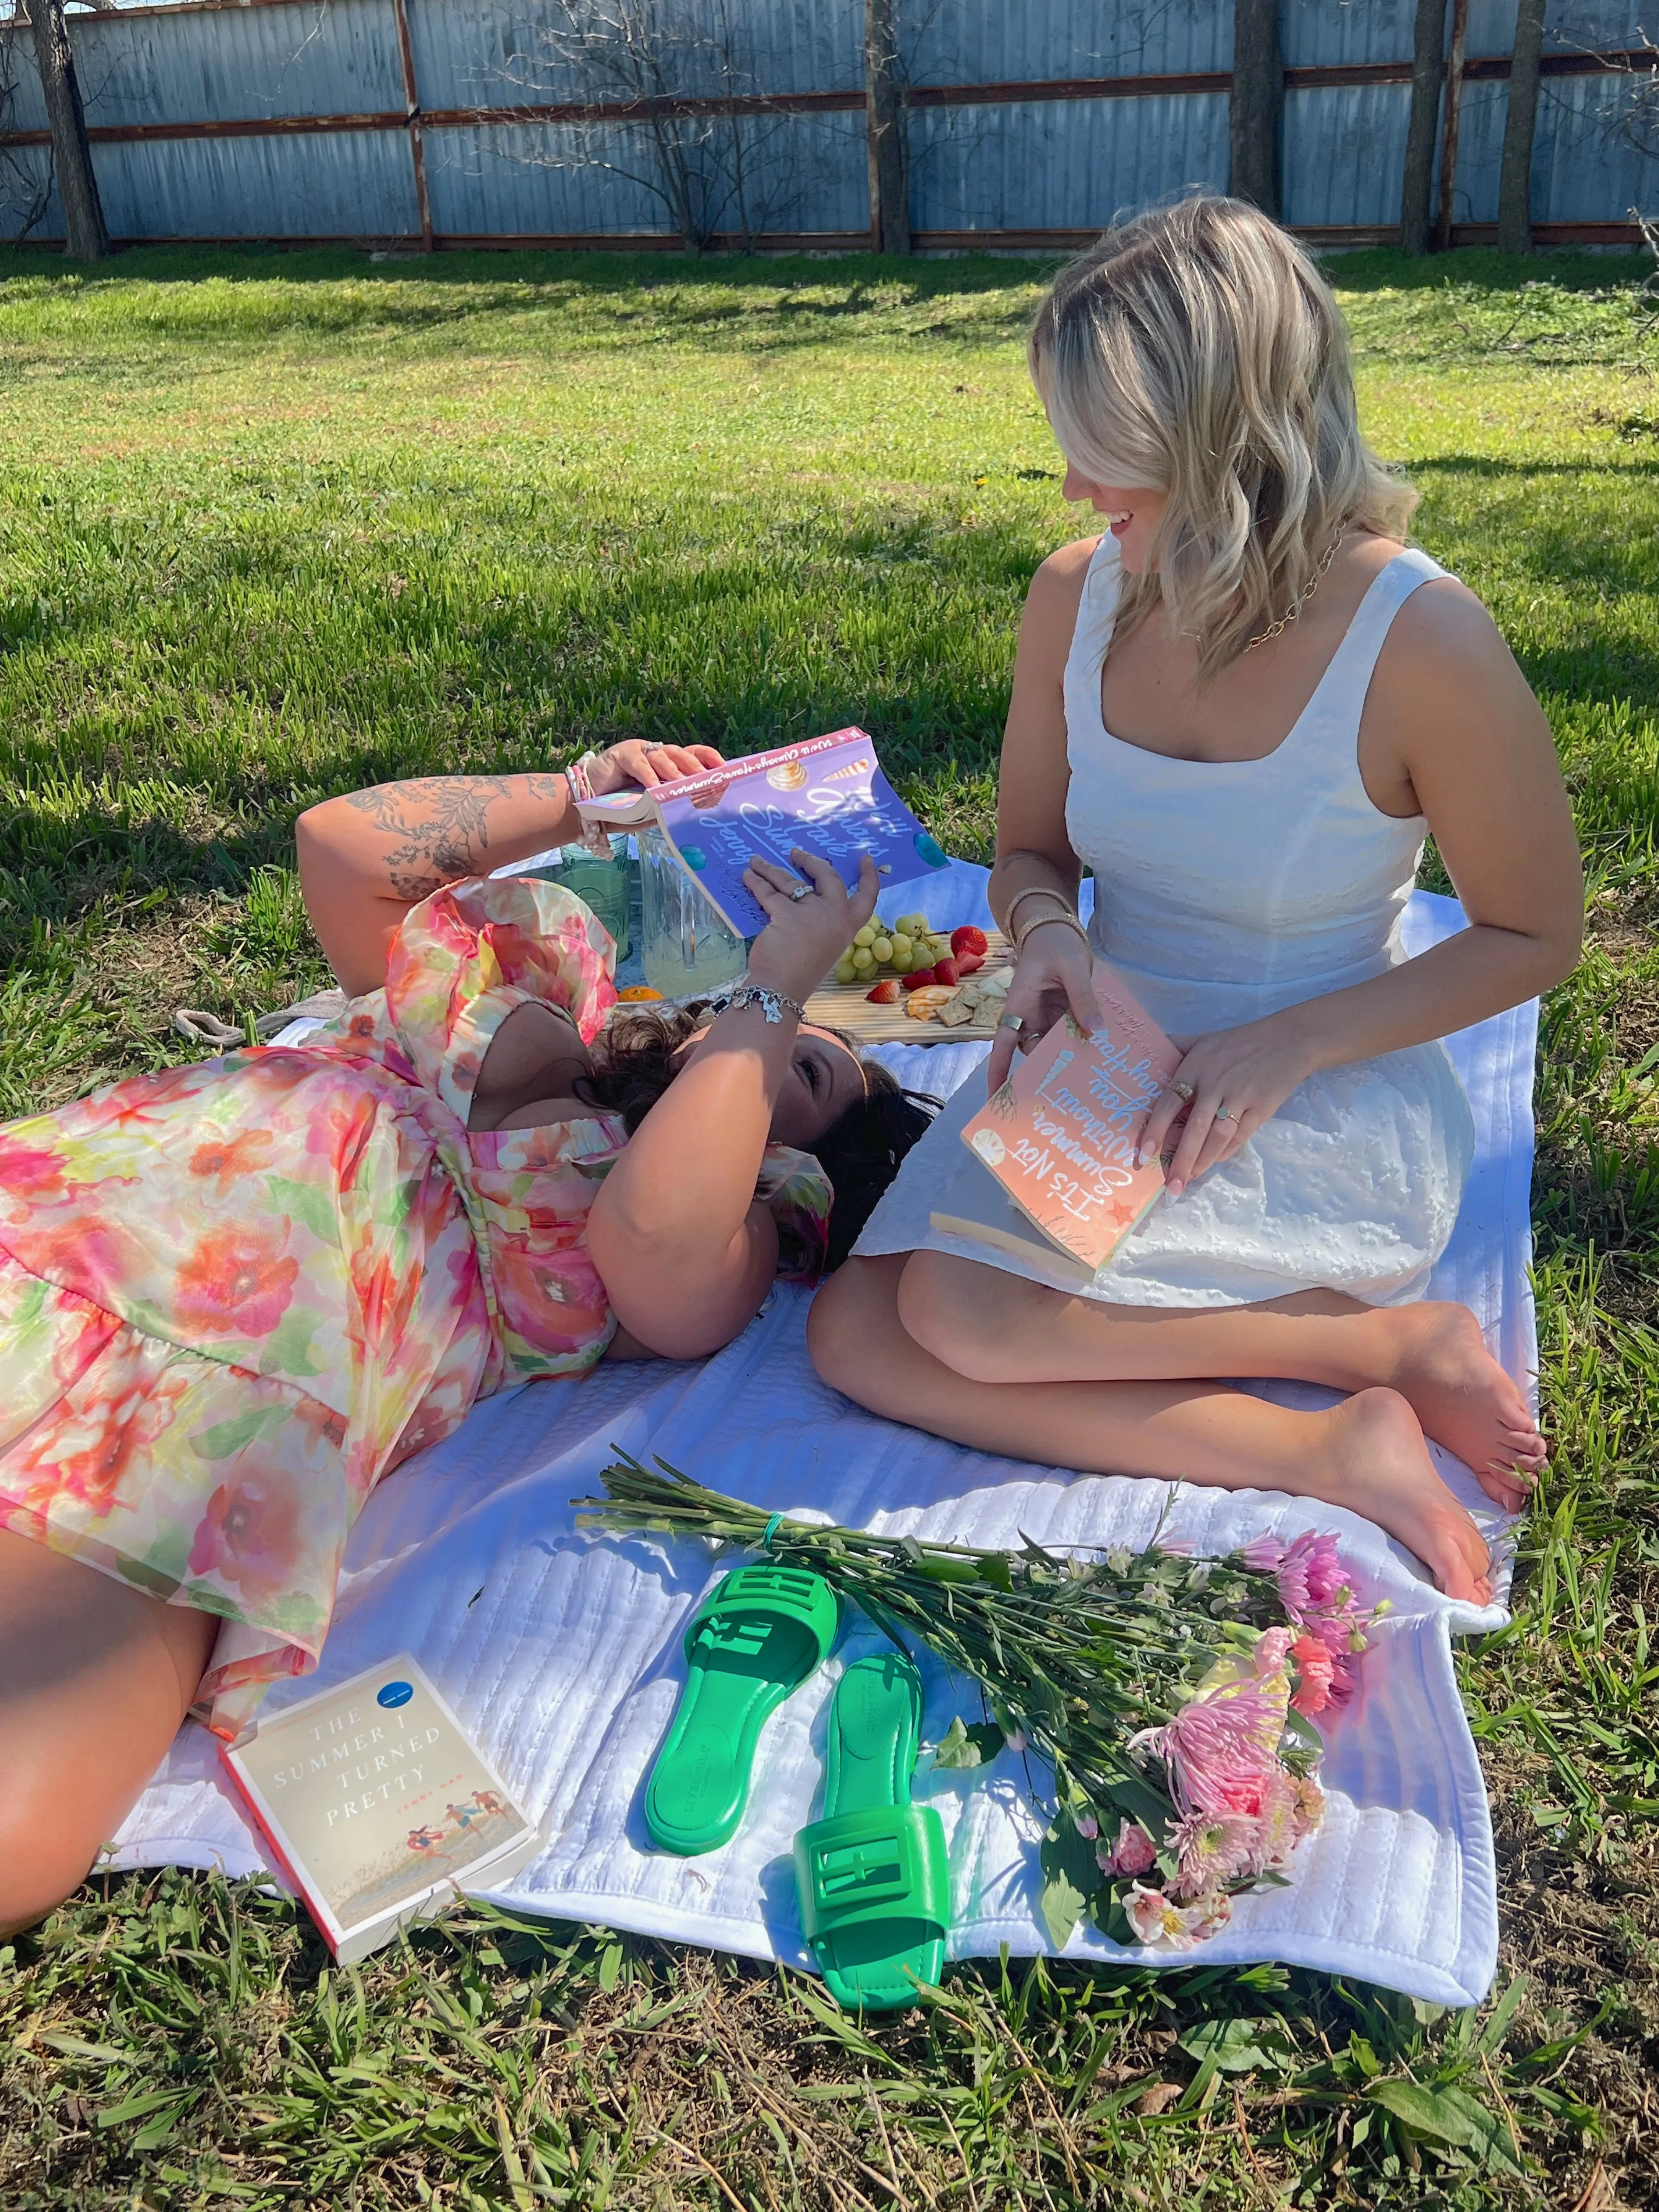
(272,525)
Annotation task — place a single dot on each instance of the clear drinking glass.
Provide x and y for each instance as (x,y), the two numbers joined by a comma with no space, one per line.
(685,947)
(598,883)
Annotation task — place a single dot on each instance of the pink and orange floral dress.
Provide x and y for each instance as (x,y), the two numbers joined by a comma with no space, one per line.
(234,1295)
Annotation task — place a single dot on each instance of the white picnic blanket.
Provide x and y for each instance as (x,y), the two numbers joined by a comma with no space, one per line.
(562,1650)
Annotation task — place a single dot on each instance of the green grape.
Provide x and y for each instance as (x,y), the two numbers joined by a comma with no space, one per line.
(864,959)
(883,948)
(846,969)
(900,943)
(902,962)
(865,936)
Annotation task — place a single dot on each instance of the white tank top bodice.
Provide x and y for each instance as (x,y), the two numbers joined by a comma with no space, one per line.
(1225,890)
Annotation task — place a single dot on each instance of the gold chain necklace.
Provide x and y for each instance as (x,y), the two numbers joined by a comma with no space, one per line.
(1278,628)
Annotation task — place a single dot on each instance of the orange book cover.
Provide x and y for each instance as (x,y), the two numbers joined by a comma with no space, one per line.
(1059,1135)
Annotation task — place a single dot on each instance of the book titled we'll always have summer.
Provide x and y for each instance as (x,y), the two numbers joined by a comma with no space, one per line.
(379,1807)
(1059,1138)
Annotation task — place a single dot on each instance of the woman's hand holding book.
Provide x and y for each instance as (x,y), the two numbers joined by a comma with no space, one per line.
(1053,976)
(1227,1085)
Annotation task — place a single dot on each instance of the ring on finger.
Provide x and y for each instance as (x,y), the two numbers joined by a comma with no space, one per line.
(1183,1090)
(801,890)
(1225,1113)
(1014,1022)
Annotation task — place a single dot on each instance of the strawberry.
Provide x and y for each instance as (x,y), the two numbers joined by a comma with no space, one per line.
(947,971)
(886,993)
(968,939)
(918,977)
(967,963)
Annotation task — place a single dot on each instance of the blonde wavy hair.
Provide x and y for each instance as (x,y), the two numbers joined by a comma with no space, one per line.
(1196,351)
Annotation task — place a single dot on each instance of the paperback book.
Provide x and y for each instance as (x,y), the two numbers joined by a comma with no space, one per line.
(379,1807)
(1059,1138)
(827,794)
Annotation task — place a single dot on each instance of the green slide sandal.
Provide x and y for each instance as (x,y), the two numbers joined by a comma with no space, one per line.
(873,1876)
(757,1636)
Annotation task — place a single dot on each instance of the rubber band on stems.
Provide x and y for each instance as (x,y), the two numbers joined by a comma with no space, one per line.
(772,1528)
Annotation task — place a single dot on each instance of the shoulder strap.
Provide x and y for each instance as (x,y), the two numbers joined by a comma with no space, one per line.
(1351,668)
(1097,611)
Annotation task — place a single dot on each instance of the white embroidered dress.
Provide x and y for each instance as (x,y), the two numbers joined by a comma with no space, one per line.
(1224,892)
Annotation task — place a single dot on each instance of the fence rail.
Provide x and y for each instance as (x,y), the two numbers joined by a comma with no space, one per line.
(996,161)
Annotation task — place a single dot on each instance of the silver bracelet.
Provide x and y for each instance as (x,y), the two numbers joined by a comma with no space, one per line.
(772,1003)
(1032,890)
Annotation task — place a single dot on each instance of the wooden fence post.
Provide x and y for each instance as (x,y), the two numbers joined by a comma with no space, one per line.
(412,114)
(1459,38)
(85,238)
(1255,108)
(1515,179)
(1428,56)
(890,196)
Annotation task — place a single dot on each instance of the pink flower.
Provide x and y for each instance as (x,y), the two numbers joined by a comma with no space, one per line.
(1214,1849)
(1179,1547)
(1280,1827)
(1273,1646)
(1086,1825)
(1156,1920)
(1219,1750)
(236,1282)
(1132,1854)
(1336,1633)
(250,1537)
(1263,1554)
(1316,1673)
(1310,1574)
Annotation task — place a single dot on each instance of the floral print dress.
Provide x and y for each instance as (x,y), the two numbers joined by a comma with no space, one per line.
(234,1296)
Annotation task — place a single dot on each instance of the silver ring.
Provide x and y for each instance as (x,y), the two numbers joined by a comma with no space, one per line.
(1183,1090)
(1015,1022)
(801,890)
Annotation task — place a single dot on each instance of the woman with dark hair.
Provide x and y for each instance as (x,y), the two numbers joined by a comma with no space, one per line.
(234,1296)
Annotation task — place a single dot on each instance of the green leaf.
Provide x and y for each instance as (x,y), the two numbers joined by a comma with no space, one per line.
(147,2100)
(1071,1875)
(1234,2046)
(609,1967)
(313,1209)
(288,1350)
(1449,2116)
(956,1748)
(226,1438)
(961,1746)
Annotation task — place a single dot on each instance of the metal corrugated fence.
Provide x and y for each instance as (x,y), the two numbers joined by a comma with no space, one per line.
(426,121)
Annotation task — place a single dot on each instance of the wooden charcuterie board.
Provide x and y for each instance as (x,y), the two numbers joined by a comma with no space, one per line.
(845,1007)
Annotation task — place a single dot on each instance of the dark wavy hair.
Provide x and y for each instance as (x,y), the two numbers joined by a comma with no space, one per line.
(637,1057)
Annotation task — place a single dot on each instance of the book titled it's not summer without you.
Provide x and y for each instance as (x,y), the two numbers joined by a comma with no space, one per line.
(1054,1180)
(377,1806)
(826,794)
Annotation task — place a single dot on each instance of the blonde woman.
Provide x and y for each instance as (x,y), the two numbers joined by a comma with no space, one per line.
(1245,707)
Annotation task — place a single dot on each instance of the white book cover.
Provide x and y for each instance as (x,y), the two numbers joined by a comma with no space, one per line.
(378,1806)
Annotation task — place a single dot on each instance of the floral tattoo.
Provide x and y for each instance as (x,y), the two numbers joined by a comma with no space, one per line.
(439,824)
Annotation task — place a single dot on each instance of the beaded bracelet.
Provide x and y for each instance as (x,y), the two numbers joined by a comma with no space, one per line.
(772,1003)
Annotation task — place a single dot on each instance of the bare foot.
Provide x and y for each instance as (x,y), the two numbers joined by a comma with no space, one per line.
(1377,1463)
(1465,1400)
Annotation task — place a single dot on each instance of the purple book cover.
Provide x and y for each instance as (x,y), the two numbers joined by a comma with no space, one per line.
(827,795)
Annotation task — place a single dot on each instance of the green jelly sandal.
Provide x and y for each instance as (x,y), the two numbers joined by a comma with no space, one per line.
(757,1636)
(873,1876)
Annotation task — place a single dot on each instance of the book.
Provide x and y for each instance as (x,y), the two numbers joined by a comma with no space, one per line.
(1059,1137)
(826,794)
(379,1807)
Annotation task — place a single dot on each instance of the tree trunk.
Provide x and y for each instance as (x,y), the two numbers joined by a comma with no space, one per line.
(890,196)
(1515,180)
(85,238)
(1459,38)
(1428,52)
(1256,106)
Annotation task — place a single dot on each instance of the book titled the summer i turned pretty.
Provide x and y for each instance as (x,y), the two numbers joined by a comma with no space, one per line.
(379,1807)
(1059,1138)
(827,794)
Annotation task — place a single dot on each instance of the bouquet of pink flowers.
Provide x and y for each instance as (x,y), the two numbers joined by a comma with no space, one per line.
(1173,1697)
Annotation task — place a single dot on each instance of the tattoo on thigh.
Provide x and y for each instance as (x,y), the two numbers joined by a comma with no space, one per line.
(438,825)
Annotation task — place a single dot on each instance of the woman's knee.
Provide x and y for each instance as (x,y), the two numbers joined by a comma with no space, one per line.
(43,1854)
(849,1322)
